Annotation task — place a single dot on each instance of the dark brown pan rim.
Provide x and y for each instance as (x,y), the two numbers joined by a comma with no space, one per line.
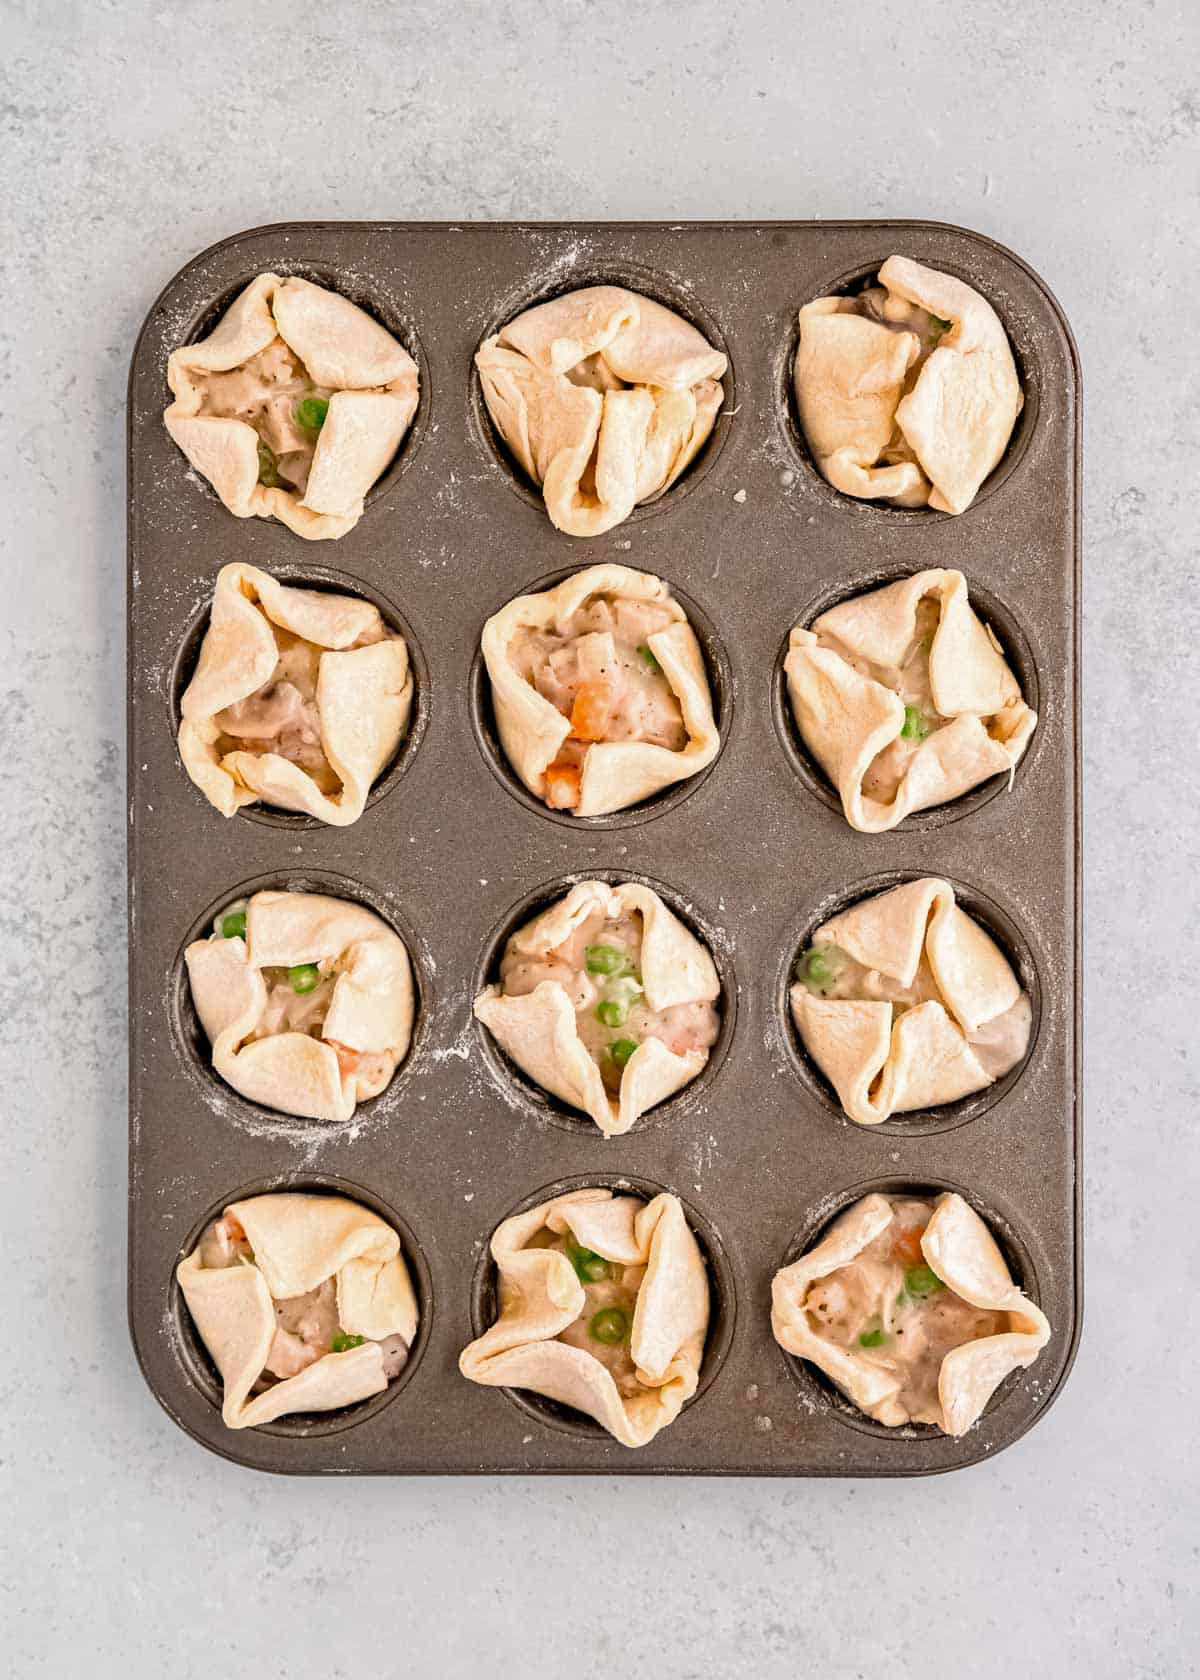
(821,1391)
(197,1364)
(848,282)
(329,581)
(635,277)
(487,736)
(1009,935)
(371,298)
(1017,650)
(529,1099)
(194,1051)
(484,1303)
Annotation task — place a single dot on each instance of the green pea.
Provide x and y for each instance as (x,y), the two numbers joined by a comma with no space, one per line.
(589,1266)
(873,1337)
(920,1281)
(648,659)
(604,959)
(915,726)
(612,1012)
(818,970)
(622,1050)
(342,1343)
(268,472)
(610,1326)
(310,413)
(233,926)
(305,977)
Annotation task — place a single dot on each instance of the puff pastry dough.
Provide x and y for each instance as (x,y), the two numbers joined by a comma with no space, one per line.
(282,343)
(604,397)
(908,1306)
(904,1002)
(307,1002)
(600,690)
(905,698)
(606,1000)
(603,1306)
(304,1303)
(907,391)
(299,698)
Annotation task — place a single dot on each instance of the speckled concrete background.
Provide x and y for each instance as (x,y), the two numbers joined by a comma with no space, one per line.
(133,136)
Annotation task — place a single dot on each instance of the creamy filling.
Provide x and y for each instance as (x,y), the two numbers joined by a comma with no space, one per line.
(267,392)
(601,674)
(298,1000)
(887,1306)
(829,972)
(282,716)
(898,315)
(600,968)
(307,1326)
(605,1323)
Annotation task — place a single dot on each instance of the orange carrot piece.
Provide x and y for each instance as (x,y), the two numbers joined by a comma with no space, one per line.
(908,1243)
(562,787)
(591,711)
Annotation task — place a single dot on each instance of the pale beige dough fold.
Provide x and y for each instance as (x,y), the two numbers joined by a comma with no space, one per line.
(847,716)
(615,774)
(541,1295)
(539,1031)
(604,397)
(299,1241)
(363,695)
(373,386)
(961,1251)
(370,1013)
(908,391)
(882,1062)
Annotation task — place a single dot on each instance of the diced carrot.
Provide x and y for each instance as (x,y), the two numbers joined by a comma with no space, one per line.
(233,1226)
(591,711)
(562,787)
(908,1243)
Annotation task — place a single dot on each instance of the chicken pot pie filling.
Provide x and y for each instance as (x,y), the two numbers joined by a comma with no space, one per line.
(904,1002)
(307,1001)
(907,391)
(604,397)
(304,1303)
(905,698)
(293,405)
(299,699)
(600,690)
(604,1306)
(908,1306)
(607,1001)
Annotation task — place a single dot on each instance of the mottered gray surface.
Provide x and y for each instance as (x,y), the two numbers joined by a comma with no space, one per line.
(135,136)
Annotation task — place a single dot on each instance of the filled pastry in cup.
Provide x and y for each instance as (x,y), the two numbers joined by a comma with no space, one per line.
(904,1002)
(604,1306)
(600,690)
(604,397)
(307,1001)
(303,1301)
(607,1001)
(906,1303)
(905,698)
(299,699)
(907,391)
(293,405)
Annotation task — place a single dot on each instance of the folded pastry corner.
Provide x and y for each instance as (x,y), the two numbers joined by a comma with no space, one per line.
(600,690)
(907,1305)
(907,391)
(293,405)
(299,699)
(905,698)
(604,397)
(604,1306)
(304,1302)
(607,1001)
(904,1002)
(306,1000)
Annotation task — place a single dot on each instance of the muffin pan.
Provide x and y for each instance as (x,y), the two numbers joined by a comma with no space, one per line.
(754,852)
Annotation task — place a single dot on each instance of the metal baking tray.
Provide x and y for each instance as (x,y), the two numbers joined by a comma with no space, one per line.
(754,853)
